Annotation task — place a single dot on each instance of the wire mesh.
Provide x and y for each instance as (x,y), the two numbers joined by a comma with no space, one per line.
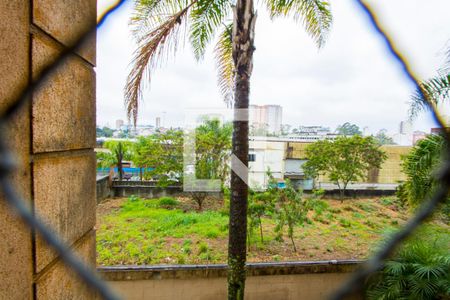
(352,286)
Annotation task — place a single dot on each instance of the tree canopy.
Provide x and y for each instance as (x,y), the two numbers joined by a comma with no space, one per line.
(348,129)
(343,160)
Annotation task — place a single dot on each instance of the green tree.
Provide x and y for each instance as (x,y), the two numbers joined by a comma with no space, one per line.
(383,139)
(212,154)
(163,152)
(119,151)
(291,210)
(348,129)
(344,160)
(159,25)
(104,132)
(259,204)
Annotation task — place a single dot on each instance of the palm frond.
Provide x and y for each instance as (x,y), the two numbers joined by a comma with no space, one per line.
(224,64)
(152,50)
(436,90)
(206,17)
(149,14)
(315,15)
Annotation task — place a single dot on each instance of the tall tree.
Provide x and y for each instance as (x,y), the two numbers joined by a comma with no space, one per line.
(158,26)
(119,151)
(383,139)
(163,153)
(348,129)
(344,160)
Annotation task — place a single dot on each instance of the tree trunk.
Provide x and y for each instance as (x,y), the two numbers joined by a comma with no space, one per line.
(119,169)
(243,35)
(261,230)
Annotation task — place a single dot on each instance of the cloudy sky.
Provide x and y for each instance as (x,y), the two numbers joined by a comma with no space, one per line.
(352,79)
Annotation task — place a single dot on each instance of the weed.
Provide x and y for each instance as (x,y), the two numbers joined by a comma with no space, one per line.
(319,206)
(386,201)
(167,201)
(335,210)
(133,198)
(349,208)
(394,222)
(345,223)
(203,247)
(357,215)
(365,207)
(276,257)
(371,224)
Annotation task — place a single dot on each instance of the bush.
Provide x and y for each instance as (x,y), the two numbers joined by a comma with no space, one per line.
(167,201)
(420,270)
(319,206)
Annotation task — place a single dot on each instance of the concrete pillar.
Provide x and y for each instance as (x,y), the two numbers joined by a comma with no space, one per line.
(53,138)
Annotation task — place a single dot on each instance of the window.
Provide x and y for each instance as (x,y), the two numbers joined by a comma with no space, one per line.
(251,157)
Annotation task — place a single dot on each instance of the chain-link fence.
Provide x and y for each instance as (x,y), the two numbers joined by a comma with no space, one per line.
(352,286)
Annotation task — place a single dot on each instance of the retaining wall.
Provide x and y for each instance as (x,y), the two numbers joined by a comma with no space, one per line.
(265,281)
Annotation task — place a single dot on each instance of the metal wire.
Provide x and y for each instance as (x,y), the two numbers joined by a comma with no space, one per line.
(354,284)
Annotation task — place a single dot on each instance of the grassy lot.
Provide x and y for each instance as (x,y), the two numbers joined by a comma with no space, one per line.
(163,231)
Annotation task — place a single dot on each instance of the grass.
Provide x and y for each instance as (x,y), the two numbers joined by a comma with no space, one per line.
(162,231)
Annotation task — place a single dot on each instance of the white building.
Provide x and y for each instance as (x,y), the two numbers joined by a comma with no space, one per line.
(266,117)
(265,155)
(404,137)
(119,123)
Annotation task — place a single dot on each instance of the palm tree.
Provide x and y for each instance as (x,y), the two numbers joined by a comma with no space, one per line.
(158,27)
(119,151)
(436,90)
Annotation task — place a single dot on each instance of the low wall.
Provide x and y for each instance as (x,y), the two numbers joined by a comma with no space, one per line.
(271,281)
(103,188)
(149,190)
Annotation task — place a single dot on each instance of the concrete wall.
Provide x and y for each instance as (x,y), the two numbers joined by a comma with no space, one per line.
(103,188)
(144,190)
(53,138)
(271,281)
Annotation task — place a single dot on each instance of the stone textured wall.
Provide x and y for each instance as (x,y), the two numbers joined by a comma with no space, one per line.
(53,138)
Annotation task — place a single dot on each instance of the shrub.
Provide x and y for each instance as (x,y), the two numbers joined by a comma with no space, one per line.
(203,248)
(319,193)
(319,206)
(167,201)
(420,270)
(133,198)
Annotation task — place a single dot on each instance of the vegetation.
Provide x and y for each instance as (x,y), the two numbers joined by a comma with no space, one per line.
(348,129)
(164,153)
(160,231)
(157,27)
(383,139)
(104,132)
(290,210)
(119,151)
(419,270)
(421,163)
(343,160)
(436,90)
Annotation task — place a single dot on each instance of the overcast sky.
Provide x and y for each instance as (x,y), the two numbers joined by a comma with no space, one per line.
(352,79)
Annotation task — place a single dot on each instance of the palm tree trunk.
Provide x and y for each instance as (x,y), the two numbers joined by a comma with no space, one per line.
(243,34)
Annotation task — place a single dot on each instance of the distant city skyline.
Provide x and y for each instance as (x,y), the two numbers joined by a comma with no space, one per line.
(352,79)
